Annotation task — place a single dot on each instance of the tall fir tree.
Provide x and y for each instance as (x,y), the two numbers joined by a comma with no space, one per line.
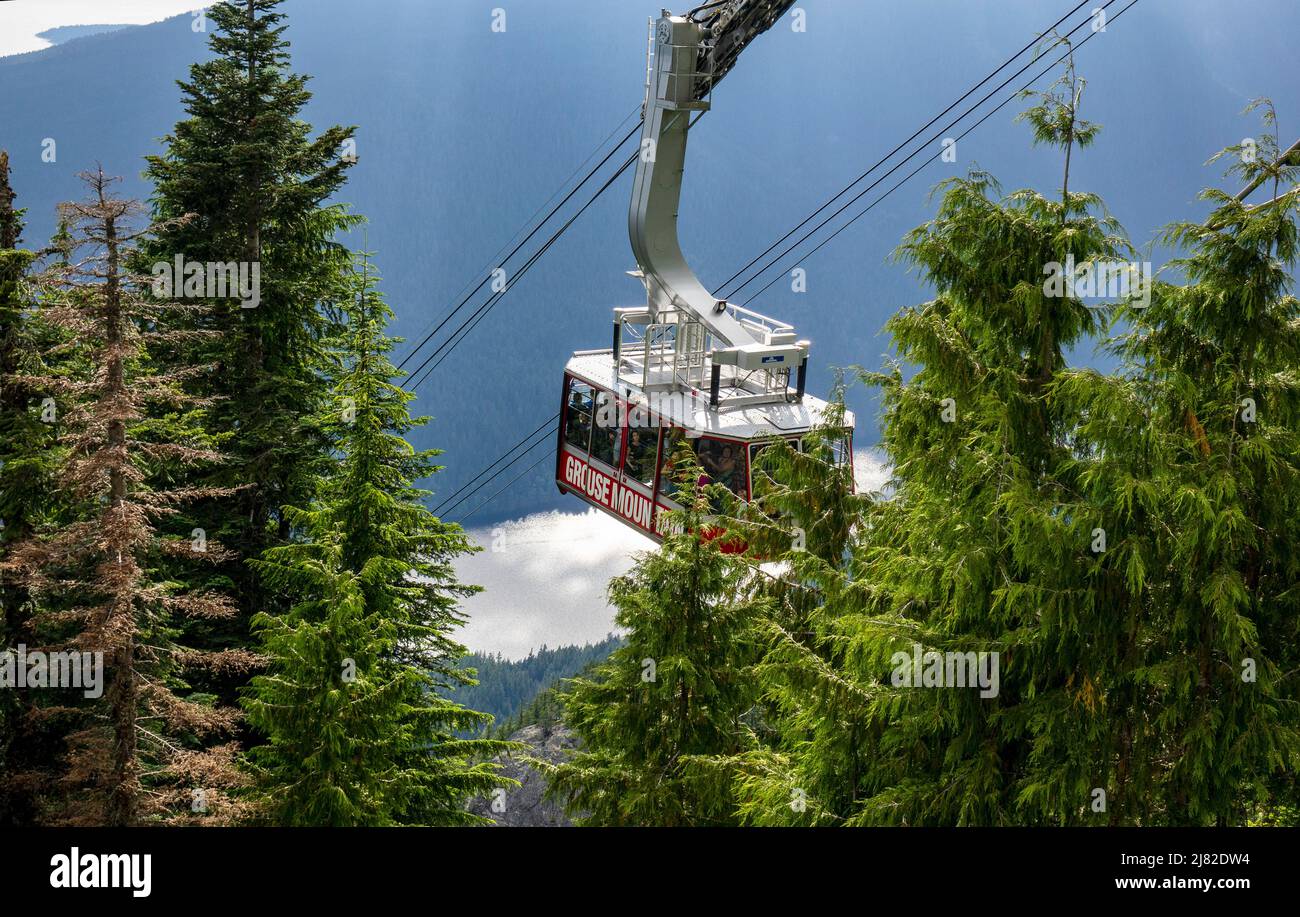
(19,428)
(29,742)
(980,548)
(16,494)
(803,523)
(655,719)
(149,747)
(1192,455)
(258,186)
(358,728)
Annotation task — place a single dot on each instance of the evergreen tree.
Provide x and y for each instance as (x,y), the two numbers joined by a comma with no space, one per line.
(804,499)
(655,717)
(982,548)
(1194,459)
(358,729)
(31,738)
(21,433)
(258,186)
(148,747)
(507,686)
(21,436)
(805,517)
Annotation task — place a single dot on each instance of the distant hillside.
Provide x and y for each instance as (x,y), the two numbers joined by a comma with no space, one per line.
(465,133)
(539,726)
(66,33)
(506,687)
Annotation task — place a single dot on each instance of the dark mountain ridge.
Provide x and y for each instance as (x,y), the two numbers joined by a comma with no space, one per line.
(464,132)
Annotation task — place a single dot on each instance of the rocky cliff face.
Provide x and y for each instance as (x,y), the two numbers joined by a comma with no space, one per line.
(524,806)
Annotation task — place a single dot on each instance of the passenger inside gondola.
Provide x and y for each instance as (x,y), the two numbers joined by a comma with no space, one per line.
(720,464)
(726,470)
(642,448)
(605,444)
(577,430)
(672,442)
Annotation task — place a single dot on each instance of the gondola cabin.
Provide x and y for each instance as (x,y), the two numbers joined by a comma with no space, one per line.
(685,367)
(616,440)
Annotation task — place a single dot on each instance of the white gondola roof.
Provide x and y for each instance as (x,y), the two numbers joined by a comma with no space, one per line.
(743,421)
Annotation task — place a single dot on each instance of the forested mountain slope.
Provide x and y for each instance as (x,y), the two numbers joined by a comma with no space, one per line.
(465,132)
(507,686)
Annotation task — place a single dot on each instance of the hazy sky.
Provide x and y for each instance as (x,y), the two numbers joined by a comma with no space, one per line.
(22,20)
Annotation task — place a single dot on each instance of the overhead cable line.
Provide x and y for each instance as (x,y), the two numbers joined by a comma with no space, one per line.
(488,276)
(510,484)
(917,151)
(466,492)
(451,501)
(497,259)
(812,216)
(446,348)
(931,159)
(468,325)
(880,162)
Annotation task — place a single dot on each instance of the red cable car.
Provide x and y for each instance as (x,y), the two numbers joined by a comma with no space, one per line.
(616,441)
(686,366)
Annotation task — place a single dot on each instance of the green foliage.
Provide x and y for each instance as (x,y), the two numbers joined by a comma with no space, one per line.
(28,499)
(24,440)
(506,689)
(981,550)
(16,480)
(1193,454)
(1055,116)
(133,753)
(677,694)
(241,180)
(806,494)
(1259,159)
(1123,543)
(358,729)
(546,709)
(21,435)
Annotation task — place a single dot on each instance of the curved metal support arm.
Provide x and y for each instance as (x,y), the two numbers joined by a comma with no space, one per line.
(679,87)
(652,221)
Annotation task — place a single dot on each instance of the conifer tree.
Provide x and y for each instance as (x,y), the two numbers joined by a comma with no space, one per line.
(805,518)
(148,748)
(14,416)
(1193,457)
(30,737)
(20,490)
(21,434)
(358,729)
(655,718)
(258,185)
(804,498)
(980,549)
